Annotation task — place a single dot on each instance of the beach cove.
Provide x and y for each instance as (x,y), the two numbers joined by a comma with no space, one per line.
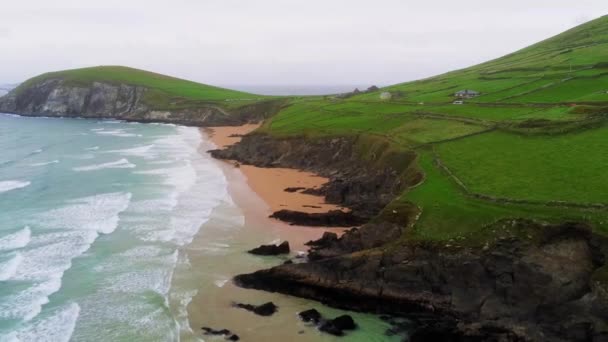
(244,224)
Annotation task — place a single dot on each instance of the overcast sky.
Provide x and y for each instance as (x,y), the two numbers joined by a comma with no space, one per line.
(277,42)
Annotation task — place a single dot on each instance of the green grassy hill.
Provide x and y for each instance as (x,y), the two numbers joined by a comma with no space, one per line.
(164,92)
(532,145)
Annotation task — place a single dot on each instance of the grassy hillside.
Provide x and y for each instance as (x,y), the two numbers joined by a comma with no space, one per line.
(164,91)
(532,145)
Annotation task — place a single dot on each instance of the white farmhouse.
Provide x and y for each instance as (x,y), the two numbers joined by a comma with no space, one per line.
(385,96)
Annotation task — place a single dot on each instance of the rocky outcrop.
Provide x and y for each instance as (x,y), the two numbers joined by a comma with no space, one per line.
(332,218)
(353,182)
(56,98)
(266,309)
(371,235)
(283,248)
(334,326)
(228,335)
(528,282)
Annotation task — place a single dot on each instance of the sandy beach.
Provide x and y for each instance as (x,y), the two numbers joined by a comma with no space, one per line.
(219,252)
(270,183)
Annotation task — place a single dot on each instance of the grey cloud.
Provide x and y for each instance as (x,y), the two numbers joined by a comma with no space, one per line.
(277,41)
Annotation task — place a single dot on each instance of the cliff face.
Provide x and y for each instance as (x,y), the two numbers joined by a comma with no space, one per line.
(55,98)
(518,281)
(353,183)
(511,290)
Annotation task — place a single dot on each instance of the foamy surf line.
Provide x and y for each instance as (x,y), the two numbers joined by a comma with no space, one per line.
(9,267)
(174,189)
(15,240)
(12,185)
(57,327)
(43,259)
(46,163)
(119,164)
(114,132)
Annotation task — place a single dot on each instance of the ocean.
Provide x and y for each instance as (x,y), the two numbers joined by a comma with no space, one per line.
(93,218)
(110,229)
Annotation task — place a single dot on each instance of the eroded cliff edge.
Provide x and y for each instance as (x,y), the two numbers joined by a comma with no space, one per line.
(519,281)
(57,98)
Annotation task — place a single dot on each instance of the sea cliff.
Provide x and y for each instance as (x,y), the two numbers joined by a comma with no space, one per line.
(521,281)
(55,97)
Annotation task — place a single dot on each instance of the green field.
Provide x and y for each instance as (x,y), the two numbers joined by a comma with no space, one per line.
(537,135)
(568,167)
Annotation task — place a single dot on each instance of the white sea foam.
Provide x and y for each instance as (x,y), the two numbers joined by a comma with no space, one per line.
(132,288)
(28,303)
(119,164)
(11,115)
(140,151)
(12,185)
(46,163)
(49,255)
(182,177)
(15,240)
(97,213)
(115,133)
(57,327)
(84,156)
(9,267)
(154,272)
(162,162)
(221,282)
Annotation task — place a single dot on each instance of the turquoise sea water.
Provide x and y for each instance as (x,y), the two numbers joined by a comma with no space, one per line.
(92,218)
(96,221)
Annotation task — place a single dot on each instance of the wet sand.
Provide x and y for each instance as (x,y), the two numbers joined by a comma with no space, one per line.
(218,253)
(270,183)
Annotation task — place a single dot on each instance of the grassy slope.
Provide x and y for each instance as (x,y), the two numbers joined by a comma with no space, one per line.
(536,133)
(165,92)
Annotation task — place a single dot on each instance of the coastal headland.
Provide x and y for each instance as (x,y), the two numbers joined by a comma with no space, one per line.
(477,196)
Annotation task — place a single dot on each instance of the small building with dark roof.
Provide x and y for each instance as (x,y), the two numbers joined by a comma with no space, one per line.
(466,94)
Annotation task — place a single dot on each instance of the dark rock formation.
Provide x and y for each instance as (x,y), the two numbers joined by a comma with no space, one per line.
(337,325)
(325,241)
(353,183)
(334,326)
(529,282)
(311,315)
(332,218)
(211,331)
(371,235)
(233,337)
(399,326)
(283,248)
(294,189)
(266,309)
(57,98)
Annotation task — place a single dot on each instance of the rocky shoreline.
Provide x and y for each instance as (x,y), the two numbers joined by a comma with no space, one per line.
(526,281)
(99,100)
(353,183)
